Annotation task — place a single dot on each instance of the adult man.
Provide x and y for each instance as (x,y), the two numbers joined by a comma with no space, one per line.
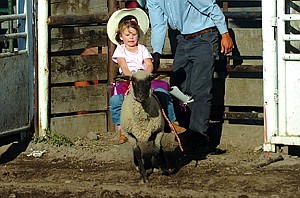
(199,22)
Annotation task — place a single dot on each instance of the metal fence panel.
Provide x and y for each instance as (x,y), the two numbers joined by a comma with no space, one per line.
(17,71)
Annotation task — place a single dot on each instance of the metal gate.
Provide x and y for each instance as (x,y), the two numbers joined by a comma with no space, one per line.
(16,67)
(282,73)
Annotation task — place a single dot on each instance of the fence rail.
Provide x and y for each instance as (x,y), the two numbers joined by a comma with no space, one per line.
(12,17)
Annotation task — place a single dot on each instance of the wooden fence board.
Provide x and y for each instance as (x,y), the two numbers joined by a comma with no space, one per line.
(80,125)
(248,41)
(73,99)
(243,92)
(78,68)
(146,40)
(59,7)
(71,19)
(72,38)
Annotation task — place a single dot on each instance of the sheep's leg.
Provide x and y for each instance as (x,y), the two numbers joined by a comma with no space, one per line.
(138,156)
(163,163)
(155,157)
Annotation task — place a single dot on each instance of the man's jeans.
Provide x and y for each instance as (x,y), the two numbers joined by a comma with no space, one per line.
(193,61)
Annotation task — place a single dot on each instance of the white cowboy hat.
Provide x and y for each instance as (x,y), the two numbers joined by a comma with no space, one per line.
(116,17)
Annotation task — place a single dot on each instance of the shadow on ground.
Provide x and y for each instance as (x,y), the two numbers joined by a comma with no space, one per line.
(17,146)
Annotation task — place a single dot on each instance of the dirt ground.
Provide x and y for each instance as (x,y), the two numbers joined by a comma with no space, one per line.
(102,168)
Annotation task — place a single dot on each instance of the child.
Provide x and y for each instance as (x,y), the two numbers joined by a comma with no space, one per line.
(132,56)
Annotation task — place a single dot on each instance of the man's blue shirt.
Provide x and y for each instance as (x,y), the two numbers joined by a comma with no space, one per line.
(187,16)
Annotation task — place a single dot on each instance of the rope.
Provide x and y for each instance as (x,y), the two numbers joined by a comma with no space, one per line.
(173,130)
(127,91)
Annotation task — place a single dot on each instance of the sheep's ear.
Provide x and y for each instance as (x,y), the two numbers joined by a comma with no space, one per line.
(157,76)
(122,78)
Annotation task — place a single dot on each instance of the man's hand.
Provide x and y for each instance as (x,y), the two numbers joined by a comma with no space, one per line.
(226,44)
(156,61)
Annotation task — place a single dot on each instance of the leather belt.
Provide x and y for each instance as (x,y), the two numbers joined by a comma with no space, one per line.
(193,35)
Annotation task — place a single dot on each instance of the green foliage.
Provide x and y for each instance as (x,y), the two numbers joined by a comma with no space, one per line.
(53,138)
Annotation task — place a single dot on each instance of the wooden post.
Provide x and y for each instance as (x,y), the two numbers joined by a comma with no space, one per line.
(112,69)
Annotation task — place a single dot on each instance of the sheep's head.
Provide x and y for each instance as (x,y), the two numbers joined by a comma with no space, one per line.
(141,84)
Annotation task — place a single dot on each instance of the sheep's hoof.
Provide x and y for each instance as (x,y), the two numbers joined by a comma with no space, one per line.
(143,181)
(149,172)
(169,171)
(166,172)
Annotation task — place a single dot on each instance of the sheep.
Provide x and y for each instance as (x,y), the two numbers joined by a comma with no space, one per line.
(143,123)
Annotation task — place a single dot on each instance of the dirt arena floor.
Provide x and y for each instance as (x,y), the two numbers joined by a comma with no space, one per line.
(102,168)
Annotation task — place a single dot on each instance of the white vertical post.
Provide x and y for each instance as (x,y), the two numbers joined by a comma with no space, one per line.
(269,72)
(281,45)
(43,67)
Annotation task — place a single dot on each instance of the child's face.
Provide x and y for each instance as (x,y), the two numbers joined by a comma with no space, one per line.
(130,37)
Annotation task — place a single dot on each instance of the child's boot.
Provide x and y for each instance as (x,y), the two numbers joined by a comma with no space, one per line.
(122,138)
(178,128)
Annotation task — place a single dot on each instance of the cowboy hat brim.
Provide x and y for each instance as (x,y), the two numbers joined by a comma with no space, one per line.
(116,17)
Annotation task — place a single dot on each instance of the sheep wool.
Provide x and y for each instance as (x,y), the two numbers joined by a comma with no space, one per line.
(140,120)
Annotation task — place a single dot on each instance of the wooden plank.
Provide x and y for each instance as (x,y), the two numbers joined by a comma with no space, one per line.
(72,19)
(166,65)
(74,99)
(80,7)
(242,136)
(245,68)
(243,116)
(243,15)
(80,125)
(72,38)
(78,68)
(248,41)
(243,92)
(146,40)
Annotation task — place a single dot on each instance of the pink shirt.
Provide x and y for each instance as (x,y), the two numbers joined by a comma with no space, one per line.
(134,60)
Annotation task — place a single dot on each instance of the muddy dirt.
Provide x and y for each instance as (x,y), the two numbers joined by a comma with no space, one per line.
(102,168)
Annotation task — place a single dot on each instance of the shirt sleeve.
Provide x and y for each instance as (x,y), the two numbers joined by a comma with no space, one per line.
(158,21)
(211,9)
(118,53)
